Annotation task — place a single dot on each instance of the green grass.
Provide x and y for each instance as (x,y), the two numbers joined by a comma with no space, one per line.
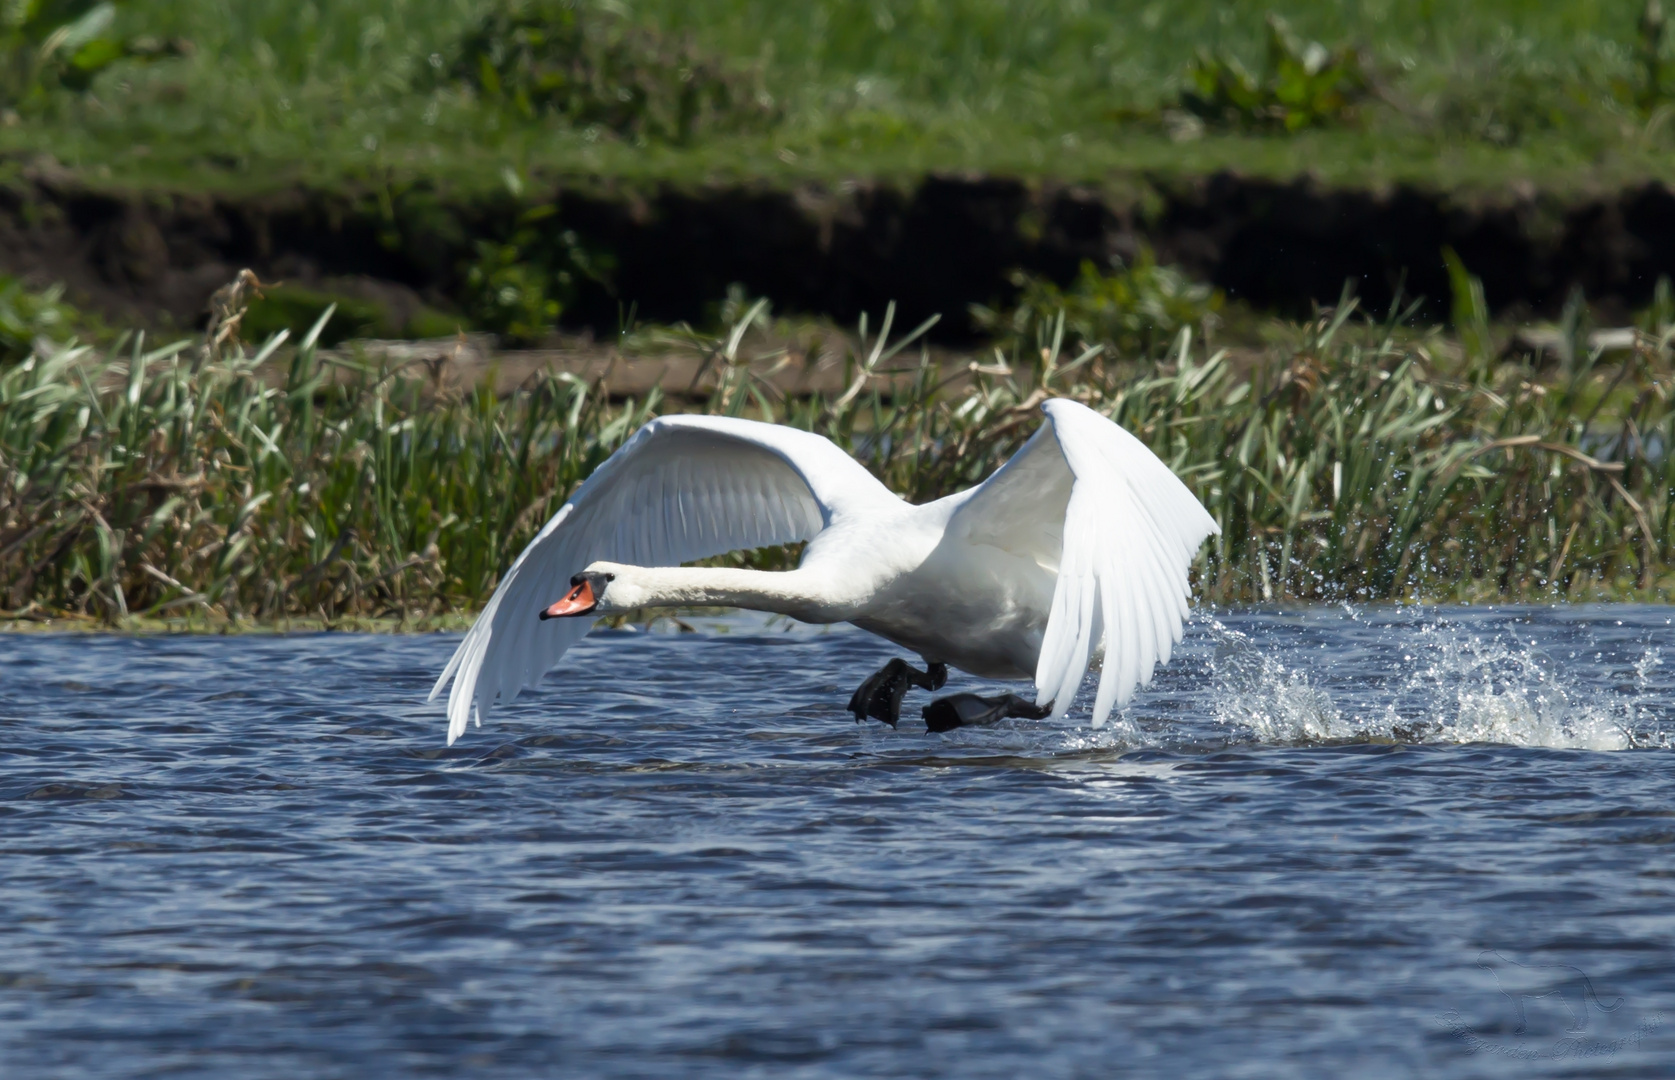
(278,93)
(1349,459)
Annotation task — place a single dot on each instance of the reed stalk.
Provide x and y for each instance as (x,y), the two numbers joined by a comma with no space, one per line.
(1358,461)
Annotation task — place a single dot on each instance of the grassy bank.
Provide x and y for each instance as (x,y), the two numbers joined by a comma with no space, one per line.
(207,94)
(1345,457)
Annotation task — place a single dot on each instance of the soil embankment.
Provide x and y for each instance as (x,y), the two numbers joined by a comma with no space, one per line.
(935,247)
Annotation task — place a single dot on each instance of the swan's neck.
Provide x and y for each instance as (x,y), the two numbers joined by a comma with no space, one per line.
(797,593)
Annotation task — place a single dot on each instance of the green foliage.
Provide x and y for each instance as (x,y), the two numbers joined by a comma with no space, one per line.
(1659,319)
(281,307)
(518,287)
(1304,85)
(1652,29)
(592,67)
(1470,310)
(52,43)
(27,314)
(430,323)
(510,295)
(1130,311)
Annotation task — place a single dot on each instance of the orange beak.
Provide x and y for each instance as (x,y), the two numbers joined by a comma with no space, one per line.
(579,601)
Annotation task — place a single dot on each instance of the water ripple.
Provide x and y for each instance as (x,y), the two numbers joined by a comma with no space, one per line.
(254,856)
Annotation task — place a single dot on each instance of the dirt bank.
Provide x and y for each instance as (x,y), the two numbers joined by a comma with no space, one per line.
(934,247)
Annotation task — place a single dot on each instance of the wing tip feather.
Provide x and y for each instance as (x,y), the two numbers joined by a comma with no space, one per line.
(1172,515)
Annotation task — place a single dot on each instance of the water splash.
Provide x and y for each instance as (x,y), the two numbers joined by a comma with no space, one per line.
(1279,703)
(1644,730)
(1562,678)
(1465,687)
(1438,682)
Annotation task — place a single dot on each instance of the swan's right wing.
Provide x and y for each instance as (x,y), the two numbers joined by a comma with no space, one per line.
(682,488)
(1091,502)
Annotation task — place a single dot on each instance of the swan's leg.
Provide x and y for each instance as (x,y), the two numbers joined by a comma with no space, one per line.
(967,710)
(880,696)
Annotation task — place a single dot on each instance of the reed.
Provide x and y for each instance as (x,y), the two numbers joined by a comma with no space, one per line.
(1357,459)
(142,484)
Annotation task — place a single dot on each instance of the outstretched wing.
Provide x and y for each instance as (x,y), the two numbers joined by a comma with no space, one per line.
(682,488)
(1089,500)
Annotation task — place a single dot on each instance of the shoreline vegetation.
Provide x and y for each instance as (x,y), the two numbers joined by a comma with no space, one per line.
(255,478)
(208,484)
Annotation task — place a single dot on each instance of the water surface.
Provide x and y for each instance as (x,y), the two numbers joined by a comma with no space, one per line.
(253,856)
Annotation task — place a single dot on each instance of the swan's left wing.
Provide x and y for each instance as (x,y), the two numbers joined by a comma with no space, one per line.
(1088,499)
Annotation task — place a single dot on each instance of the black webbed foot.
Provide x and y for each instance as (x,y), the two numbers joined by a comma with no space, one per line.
(969,710)
(880,696)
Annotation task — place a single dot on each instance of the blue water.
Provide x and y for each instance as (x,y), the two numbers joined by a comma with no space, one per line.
(253,856)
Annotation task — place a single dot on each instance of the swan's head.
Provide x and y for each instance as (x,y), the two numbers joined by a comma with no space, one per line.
(586,595)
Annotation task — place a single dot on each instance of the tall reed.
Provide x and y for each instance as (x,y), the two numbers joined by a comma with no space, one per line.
(1360,460)
(133,485)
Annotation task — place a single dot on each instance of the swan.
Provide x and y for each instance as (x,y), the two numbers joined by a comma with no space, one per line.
(1083,539)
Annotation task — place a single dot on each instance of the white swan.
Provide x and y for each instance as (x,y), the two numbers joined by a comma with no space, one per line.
(1083,539)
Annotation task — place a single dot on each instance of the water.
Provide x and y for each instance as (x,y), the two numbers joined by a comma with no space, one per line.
(252,856)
